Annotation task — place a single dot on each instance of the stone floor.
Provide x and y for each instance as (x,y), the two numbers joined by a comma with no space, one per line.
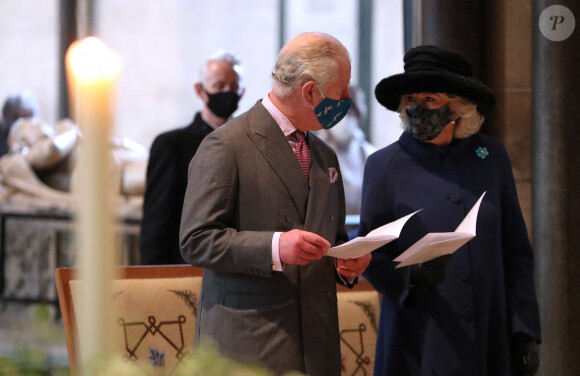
(32,335)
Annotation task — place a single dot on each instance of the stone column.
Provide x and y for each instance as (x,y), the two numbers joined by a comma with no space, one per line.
(510,71)
(67,35)
(466,26)
(458,25)
(556,186)
(76,21)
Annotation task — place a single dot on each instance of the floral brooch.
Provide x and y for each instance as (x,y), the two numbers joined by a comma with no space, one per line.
(482,152)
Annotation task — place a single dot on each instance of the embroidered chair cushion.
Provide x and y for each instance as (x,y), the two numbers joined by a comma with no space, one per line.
(152,320)
(358,315)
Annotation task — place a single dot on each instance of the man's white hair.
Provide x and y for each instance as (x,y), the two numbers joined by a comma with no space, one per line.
(225,56)
(315,61)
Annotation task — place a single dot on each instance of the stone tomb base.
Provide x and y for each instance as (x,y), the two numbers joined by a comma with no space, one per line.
(33,243)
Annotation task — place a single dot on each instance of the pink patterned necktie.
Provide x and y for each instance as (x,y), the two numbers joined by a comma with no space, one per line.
(302,153)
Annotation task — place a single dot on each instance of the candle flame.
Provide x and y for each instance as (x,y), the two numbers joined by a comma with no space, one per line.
(90,59)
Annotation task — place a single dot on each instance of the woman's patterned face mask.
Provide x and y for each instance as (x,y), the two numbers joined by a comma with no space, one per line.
(427,124)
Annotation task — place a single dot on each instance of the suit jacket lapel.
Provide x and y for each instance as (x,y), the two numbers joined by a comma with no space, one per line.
(319,183)
(271,142)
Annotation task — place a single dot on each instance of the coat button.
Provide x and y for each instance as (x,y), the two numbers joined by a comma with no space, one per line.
(454,196)
(463,275)
(288,219)
(332,217)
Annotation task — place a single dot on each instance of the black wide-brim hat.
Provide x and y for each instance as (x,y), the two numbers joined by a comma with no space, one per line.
(431,69)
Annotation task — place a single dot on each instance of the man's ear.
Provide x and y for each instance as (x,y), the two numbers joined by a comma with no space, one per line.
(308,92)
(198,87)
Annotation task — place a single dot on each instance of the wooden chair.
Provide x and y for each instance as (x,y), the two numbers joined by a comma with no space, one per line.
(156,313)
(358,316)
(358,311)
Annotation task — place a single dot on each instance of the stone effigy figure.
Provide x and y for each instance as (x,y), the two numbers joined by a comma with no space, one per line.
(39,169)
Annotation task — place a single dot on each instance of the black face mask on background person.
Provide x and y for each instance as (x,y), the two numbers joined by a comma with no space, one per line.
(427,124)
(223,104)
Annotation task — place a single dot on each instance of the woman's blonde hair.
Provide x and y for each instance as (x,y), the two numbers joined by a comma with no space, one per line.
(469,119)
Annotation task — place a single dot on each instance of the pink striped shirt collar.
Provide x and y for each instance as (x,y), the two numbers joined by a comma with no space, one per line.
(282,121)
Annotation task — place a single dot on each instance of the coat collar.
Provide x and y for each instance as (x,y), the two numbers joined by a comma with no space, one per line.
(199,123)
(428,150)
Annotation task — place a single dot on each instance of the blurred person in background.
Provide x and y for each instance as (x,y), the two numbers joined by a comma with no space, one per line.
(220,88)
(352,149)
(17,105)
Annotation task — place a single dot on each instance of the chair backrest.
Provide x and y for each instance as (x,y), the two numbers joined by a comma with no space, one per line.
(358,316)
(156,310)
(157,320)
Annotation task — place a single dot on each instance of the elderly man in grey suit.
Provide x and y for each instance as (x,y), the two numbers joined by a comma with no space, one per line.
(264,203)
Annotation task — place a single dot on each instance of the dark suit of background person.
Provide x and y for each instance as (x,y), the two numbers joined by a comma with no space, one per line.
(250,188)
(171,152)
(475,313)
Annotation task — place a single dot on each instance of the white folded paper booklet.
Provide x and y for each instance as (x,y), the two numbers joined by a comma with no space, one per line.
(437,244)
(362,245)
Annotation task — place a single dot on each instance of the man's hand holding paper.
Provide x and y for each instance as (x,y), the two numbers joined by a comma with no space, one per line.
(353,268)
(300,247)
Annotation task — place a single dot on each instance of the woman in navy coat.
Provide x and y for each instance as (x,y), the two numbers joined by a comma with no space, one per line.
(474,312)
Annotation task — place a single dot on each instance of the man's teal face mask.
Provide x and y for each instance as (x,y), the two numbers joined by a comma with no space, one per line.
(331,111)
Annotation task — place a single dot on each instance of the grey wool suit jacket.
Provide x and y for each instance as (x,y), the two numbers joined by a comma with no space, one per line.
(245,183)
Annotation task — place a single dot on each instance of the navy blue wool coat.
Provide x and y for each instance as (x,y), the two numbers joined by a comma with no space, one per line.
(462,326)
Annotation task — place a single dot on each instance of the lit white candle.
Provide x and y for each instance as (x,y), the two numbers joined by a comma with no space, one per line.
(93,70)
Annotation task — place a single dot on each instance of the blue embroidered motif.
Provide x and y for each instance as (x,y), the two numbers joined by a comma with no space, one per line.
(157,358)
(482,152)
